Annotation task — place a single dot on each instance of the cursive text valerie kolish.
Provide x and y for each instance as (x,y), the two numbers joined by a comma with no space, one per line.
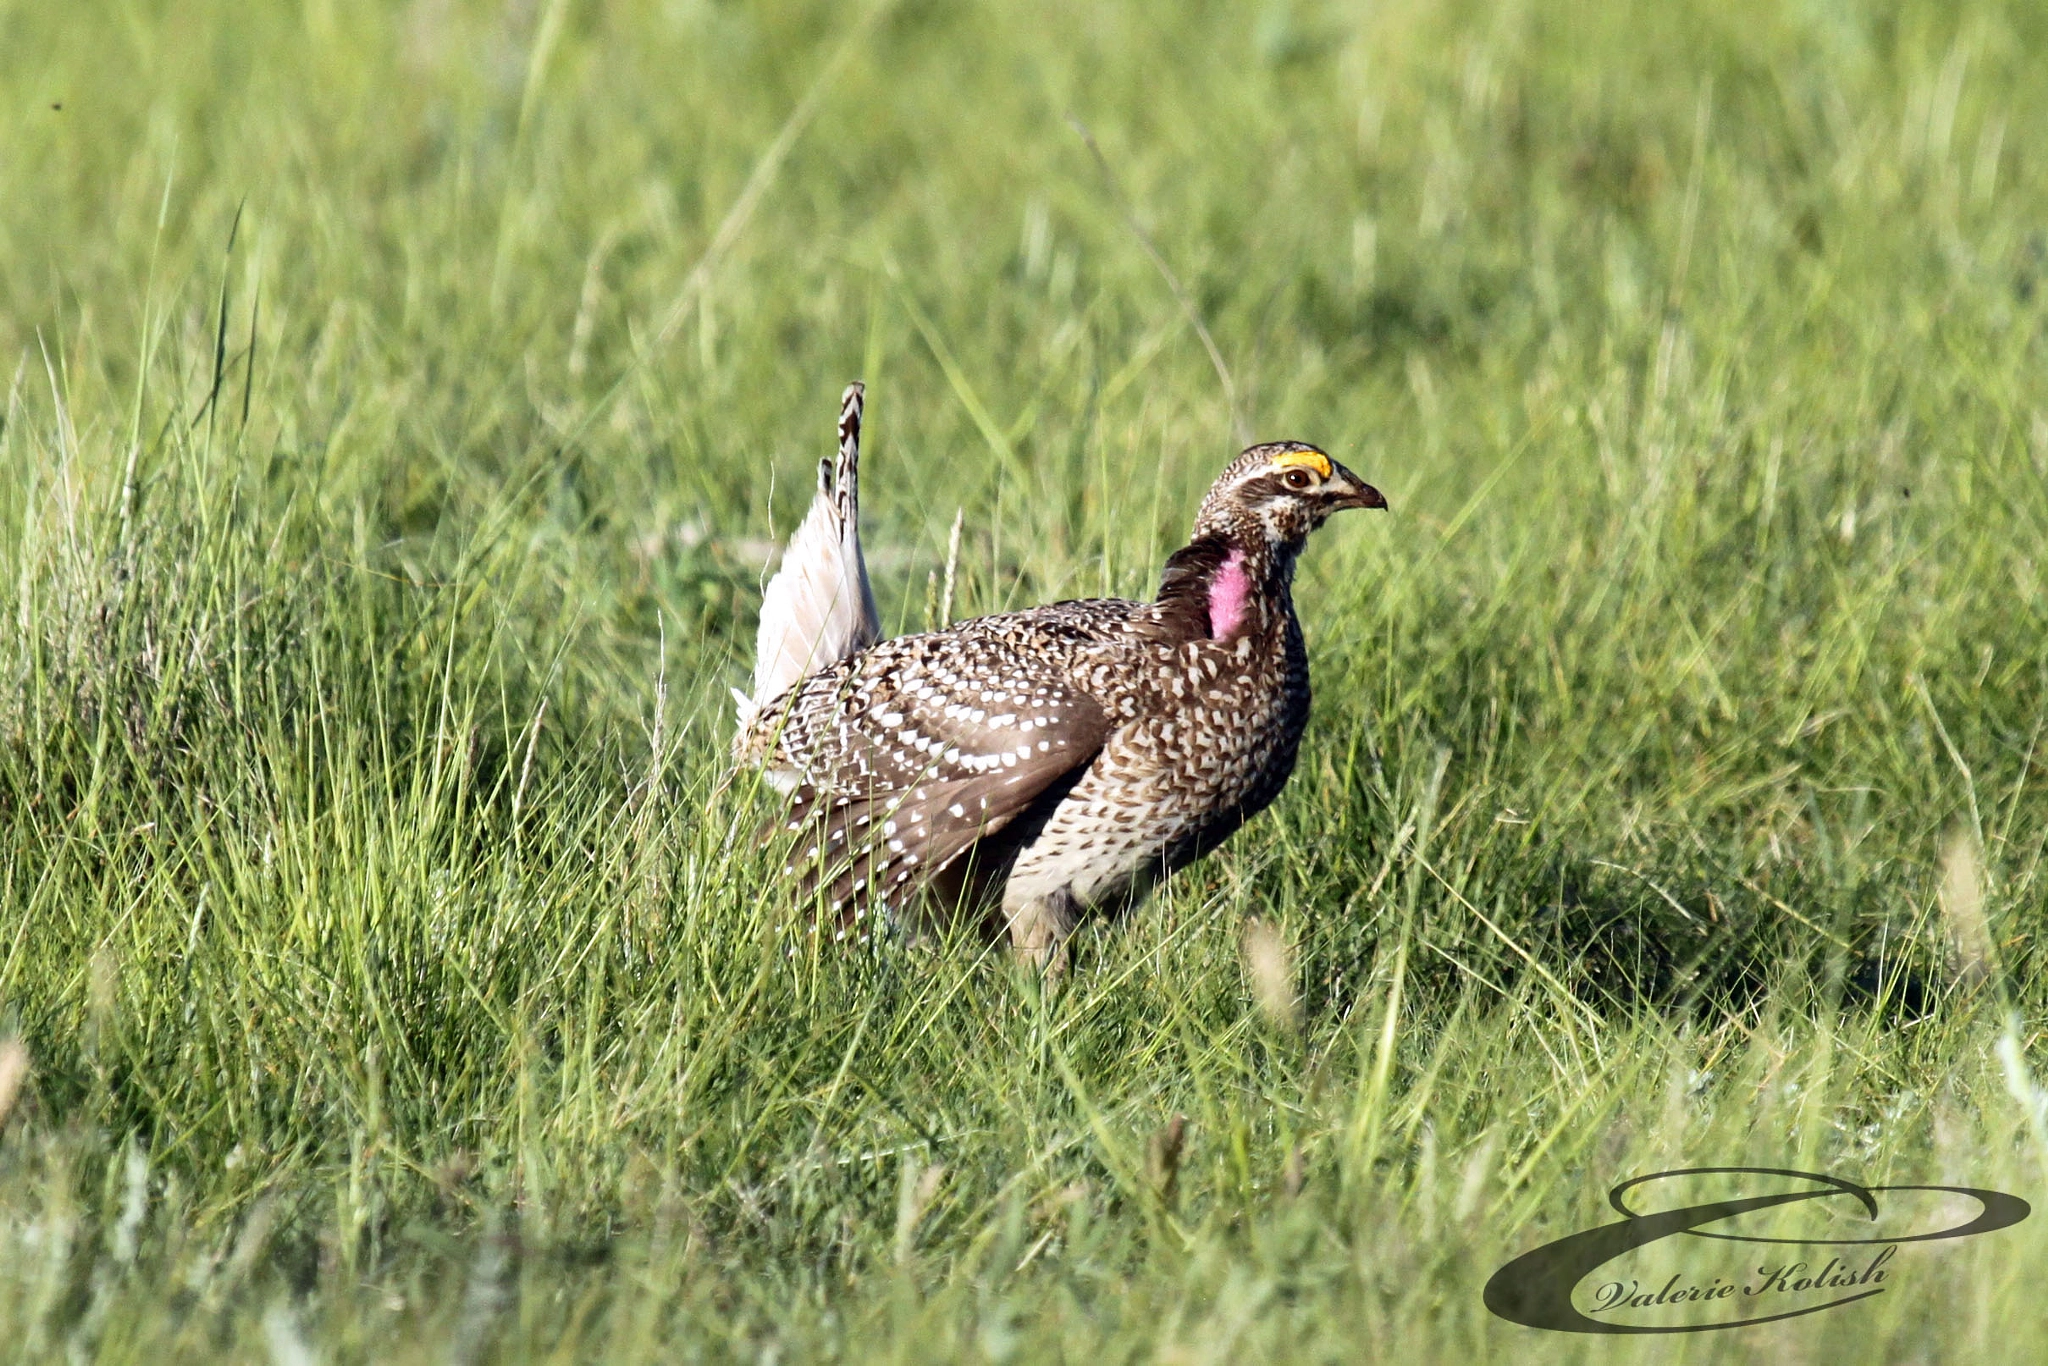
(1787,1278)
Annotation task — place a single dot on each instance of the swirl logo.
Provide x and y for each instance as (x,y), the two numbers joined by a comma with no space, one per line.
(1537,1289)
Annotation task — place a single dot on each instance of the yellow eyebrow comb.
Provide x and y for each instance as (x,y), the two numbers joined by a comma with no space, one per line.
(1314,460)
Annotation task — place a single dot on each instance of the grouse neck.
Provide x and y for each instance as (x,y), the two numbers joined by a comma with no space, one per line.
(1224,587)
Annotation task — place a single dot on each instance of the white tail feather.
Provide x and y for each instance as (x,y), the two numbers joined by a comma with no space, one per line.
(819,608)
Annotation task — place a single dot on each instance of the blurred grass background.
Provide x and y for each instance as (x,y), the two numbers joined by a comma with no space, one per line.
(402,404)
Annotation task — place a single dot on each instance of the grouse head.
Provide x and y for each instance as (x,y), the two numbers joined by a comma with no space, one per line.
(1274,495)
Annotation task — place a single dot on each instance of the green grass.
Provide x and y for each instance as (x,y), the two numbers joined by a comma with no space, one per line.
(398,412)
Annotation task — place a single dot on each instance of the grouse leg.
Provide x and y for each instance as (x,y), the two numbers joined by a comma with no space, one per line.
(1039,926)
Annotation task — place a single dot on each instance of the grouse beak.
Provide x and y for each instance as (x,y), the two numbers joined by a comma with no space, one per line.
(1347,490)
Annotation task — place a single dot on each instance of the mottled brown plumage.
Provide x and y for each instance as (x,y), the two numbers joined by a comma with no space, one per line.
(1034,767)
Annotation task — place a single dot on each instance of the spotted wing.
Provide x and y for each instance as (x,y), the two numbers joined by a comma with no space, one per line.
(914,752)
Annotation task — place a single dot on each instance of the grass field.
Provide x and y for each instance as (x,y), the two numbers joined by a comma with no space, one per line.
(402,402)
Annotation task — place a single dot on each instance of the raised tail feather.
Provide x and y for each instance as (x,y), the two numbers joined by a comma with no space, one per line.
(819,608)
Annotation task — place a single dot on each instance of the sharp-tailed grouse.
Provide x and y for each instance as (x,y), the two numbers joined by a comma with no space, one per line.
(1033,767)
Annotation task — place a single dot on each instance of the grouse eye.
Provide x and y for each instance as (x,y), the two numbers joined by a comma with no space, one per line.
(1297,479)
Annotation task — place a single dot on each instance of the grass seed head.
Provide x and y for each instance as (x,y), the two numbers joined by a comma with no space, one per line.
(1162,1158)
(13,1072)
(1962,908)
(1269,963)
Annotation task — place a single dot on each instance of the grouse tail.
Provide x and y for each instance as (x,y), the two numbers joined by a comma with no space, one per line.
(819,608)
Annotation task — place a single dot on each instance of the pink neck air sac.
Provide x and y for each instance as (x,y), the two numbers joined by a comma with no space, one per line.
(1230,594)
